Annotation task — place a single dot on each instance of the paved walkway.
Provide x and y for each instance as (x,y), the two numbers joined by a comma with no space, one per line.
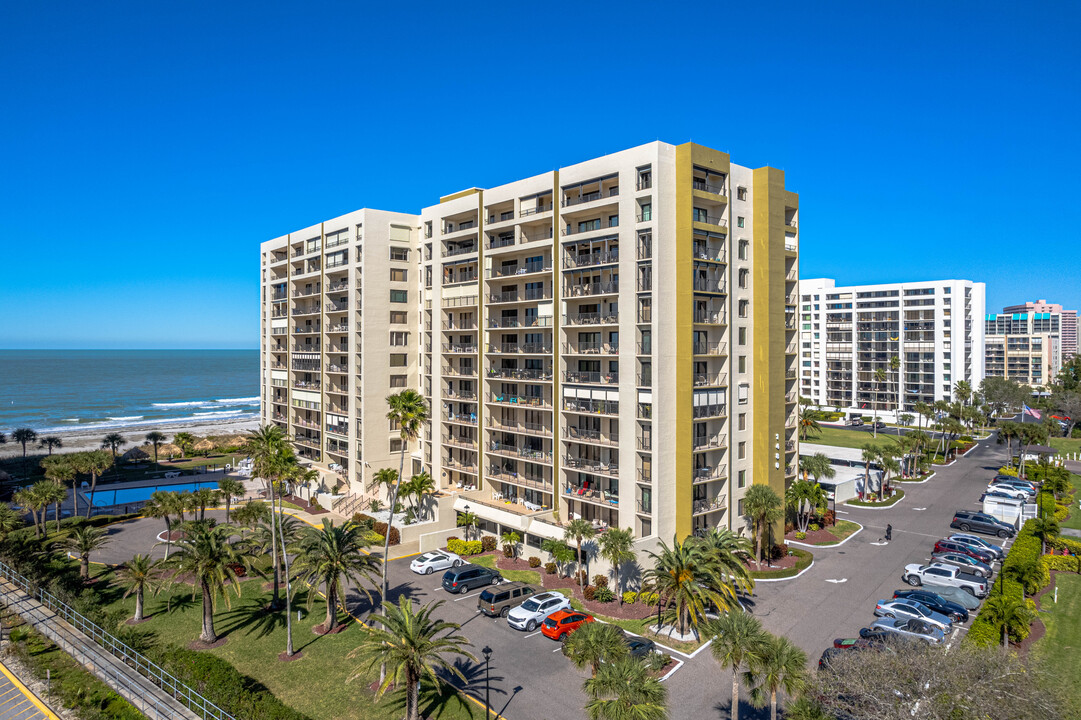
(147,697)
(17,702)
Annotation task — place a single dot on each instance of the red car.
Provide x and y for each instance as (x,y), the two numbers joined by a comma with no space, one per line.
(852,643)
(562,623)
(951,546)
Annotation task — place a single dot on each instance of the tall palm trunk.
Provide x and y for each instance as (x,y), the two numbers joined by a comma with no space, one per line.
(274,599)
(168,535)
(580,579)
(84,565)
(93,486)
(75,497)
(386,541)
(758,554)
(288,585)
(412,709)
(332,606)
(56,514)
(208,635)
(735,692)
(138,605)
(772,705)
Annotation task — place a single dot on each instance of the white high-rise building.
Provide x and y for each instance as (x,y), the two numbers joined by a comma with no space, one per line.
(614,340)
(848,334)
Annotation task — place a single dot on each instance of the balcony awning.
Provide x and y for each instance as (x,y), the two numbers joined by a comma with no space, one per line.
(545,530)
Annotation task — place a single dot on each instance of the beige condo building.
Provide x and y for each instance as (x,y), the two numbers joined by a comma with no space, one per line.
(614,340)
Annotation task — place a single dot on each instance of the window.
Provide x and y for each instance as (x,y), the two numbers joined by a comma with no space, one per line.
(741,193)
(647,212)
(700,215)
(398,317)
(744,274)
(741,334)
(587,225)
(741,450)
(742,482)
(399,275)
(743,249)
(399,339)
(613,221)
(395,445)
(744,305)
(743,421)
(399,381)
(399,296)
(741,393)
(742,363)
(739,507)
(739,221)
(399,359)
(399,254)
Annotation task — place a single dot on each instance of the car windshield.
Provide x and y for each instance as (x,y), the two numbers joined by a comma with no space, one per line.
(531,605)
(427,558)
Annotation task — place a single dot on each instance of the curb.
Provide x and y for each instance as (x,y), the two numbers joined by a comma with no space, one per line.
(884,507)
(912,482)
(830,546)
(762,580)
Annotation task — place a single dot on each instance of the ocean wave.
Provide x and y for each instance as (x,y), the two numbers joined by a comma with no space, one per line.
(70,420)
(193,403)
(191,420)
(219,413)
(238,401)
(126,417)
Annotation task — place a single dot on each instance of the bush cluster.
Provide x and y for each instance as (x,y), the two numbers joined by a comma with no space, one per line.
(488,543)
(589,592)
(365,521)
(381,530)
(604,595)
(1025,550)
(630,596)
(534,561)
(550,568)
(649,598)
(464,547)
(600,581)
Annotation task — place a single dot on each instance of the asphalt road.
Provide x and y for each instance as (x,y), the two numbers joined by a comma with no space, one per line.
(531,680)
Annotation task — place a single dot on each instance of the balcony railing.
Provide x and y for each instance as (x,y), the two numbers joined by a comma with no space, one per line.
(593,407)
(521,428)
(605,318)
(307,329)
(597,467)
(710,348)
(710,219)
(461,372)
(459,395)
(705,506)
(706,379)
(529,481)
(711,317)
(703,253)
(610,287)
(708,187)
(522,452)
(513,322)
(521,295)
(709,474)
(460,250)
(519,374)
(523,269)
(712,410)
(466,418)
(307,384)
(587,228)
(591,436)
(536,235)
(709,442)
(571,260)
(591,348)
(459,348)
(540,348)
(460,278)
(595,378)
(584,493)
(535,210)
(529,401)
(589,197)
(710,286)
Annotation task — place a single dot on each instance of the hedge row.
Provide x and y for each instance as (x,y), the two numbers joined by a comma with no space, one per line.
(464,547)
(1026,549)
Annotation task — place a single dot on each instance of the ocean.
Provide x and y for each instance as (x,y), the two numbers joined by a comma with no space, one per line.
(69,390)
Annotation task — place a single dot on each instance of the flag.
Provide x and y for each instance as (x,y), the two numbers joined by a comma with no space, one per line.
(1033,413)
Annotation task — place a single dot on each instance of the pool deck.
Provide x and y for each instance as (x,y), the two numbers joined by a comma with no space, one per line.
(251,487)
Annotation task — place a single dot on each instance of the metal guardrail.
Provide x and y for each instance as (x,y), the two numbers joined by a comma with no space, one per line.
(135,693)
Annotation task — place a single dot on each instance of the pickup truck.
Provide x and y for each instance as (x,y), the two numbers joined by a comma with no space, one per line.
(935,574)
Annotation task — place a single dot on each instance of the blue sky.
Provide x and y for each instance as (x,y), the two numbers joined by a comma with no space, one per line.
(148,148)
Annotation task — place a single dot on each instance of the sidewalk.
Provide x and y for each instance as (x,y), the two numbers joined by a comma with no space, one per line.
(147,697)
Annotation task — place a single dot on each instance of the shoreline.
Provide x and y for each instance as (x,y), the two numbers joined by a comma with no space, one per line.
(79,440)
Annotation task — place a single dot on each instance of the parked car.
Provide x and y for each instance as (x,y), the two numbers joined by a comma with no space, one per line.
(965,562)
(878,423)
(858,643)
(969,521)
(533,611)
(935,601)
(562,623)
(429,562)
(944,546)
(978,541)
(956,595)
(1010,479)
(498,600)
(641,647)
(917,629)
(854,422)
(1023,485)
(1006,491)
(935,574)
(464,578)
(875,635)
(913,611)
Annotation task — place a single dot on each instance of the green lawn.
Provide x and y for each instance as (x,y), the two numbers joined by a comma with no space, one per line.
(839,437)
(842,529)
(256,639)
(1066,445)
(803,560)
(898,494)
(1057,650)
(1074,521)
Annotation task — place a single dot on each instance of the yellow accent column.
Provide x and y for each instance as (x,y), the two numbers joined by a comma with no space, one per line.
(767,270)
(684,450)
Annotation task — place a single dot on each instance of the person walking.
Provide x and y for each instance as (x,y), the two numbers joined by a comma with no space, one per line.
(889,532)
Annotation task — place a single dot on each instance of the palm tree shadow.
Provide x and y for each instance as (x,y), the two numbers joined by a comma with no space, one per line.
(252,617)
(359,603)
(175,602)
(474,684)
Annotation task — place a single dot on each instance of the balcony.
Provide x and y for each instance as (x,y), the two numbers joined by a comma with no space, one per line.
(703,253)
(698,184)
(520,374)
(451,464)
(590,227)
(589,197)
(462,442)
(540,348)
(583,492)
(527,401)
(526,453)
(460,278)
(594,467)
(306,292)
(605,318)
(339,429)
(713,410)
(715,220)
(464,348)
(458,395)
(610,287)
(591,348)
(710,317)
(338,307)
(710,379)
(515,270)
(711,348)
(521,428)
(510,296)
(460,250)
(529,321)
(710,474)
(508,476)
(701,507)
(307,384)
(711,442)
(591,407)
(710,286)
(589,436)
(462,418)
(591,378)
(459,372)
(307,329)
(535,210)
(571,261)
(306,310)
(536,235)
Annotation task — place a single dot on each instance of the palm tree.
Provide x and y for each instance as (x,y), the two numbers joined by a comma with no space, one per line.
(595,643)
(880,377)
(895,366)
(467,520)
(616,547)
(804,498)
(808,422)
(780,666)
(332,555)
(186,441)
(1007,432)
(420,486)
(730,553)
(738,638)
(962,390)
(113,441)
(562,554)
(870,454)
(230,487)
(271,458)
(510,541)
(1045,528)
(93,463)
(10,521)
(1028,575)
(890,465)
(82,541)
(51,492)
(763,507)
(577,530)
(252,513)
(136,576)
(819,467)
(51,442)
(204,497)
(206,554)
(60,471)
(624,690)
(416,646)
(28,499)
(24,436)
(687,581)
(1008,613)
(155,438)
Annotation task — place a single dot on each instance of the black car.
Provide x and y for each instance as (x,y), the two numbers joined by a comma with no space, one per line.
(955,611)
(969,521)
(876,634)
(641,647)
(464,578)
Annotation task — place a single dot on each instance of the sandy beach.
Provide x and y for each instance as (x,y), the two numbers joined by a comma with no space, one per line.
(77,440)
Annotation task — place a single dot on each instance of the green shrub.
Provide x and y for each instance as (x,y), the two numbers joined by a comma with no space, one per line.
(488,543)
(604,595)
(1062,563)
(965,438)
(1008,470)
(550,568)
(600,581)
(1066,543)
(589,592)
(630,596)
(464,548)
(365,521)
(649,598)
(801,535)
(534,562)
(395,536)
(813,527)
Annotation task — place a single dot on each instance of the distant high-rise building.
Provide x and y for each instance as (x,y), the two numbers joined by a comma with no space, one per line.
(1067,323)
(848,334)
(1028,343)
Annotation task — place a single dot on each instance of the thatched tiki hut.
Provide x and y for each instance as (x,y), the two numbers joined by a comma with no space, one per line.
(205,446)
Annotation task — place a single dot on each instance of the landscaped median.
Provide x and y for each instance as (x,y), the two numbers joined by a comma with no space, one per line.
(789,566)
(824,536)
(888,502)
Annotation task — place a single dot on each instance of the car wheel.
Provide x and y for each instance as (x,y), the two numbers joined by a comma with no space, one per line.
(563,638)
(965,527)
(463,590)
(531,626)
(504,612)
(1003,534)
(970,591)
(428,570)
(890,616)
(913,580)
(457,563)
(956,617)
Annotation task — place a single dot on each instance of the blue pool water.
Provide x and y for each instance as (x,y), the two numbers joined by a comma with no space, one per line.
(107,498)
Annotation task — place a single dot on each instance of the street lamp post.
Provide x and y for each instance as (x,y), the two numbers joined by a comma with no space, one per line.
(487,685)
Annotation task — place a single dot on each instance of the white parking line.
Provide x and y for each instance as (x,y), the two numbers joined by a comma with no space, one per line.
(466,597)
(531,635)
(557,649)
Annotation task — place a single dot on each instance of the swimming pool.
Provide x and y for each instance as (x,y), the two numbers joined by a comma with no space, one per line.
(108,498)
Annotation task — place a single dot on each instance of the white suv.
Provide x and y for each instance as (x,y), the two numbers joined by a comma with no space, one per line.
(533,611)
